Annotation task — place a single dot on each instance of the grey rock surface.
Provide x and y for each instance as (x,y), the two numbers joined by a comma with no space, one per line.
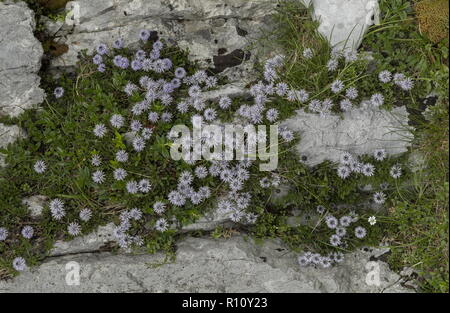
(204,265)
(360,131)
(35,205)
(20,60)
(344,22)
(9,134)
(216,33)
(91,242)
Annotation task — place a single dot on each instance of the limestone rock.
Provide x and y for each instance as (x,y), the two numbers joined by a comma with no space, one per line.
(204,265)
(360,131)
(9,134)
(20,60)
(35,205)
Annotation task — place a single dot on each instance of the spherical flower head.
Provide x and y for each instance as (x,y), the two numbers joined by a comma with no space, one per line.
(398,77)
(74,229)
(96,160)
(102,49)
(159,207)
(58,92)
(272,115)
(406,84)
(100,130)
(379,197)
(57,209)
(161,225)
(395,171)
(341,231)
(346,158)
(343,171)
(331,222)
(144,35)
(281,89)
(140,55)
(372,220)
(308,53)
(360,232)
(136,65)
(120,174)
(3,233)
(132,187)
(211,82)
(153,117)
(40,167)
(224,102)
(117,120)
(346,105)
(145,185)
(201,172)
(302,95)
(345,221)
(194,91)
(97,59)
(85,214)
(315,105)
(138,143)
(158,45)
(101,68)
(98,177)
(377,100)
(176,198)
(118,43)
(135,125)
(19,264)
(335,240)
(180,73)
(332,65)
(185,178)
(351,93)
(210,114)
(337,86)
(270,74)
(27,232)
(385,76)
(166,117)
(205,192)
(121,156)
(350,56)
(135,214)
(320,209)
(287,135)
(379,154)
(368,169)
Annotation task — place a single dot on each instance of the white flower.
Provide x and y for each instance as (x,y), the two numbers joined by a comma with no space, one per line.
(74,229)
(161,225)
(377,100)
(332,65)
(379,154)
(385,76)
(19,264)
(40,167)
(272,115)
(372,220)
(351,93)
(100,130)
(121,156)
(132,187)
(224,103)
(57,209)
(119,174)
(395,171)
(85,214)
(3,233)
(343,171)
(98,177)
(379,197)
(368,169)
(159,207)
(201,172)
(27,232)
(96,160)
(144,185)
(346,105)
(308,53)
(138,143)
(337,86)
(117,120)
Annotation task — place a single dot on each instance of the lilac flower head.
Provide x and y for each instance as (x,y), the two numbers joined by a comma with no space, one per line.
(161,225)
(102,49)
(58,92)
(74,229)
(85,214)
(180,72)
(57,209)
(3,233)
(97,59)
(40,167)
(19,264)
(27,232)
(118,44)
(360,232)
(144,35)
